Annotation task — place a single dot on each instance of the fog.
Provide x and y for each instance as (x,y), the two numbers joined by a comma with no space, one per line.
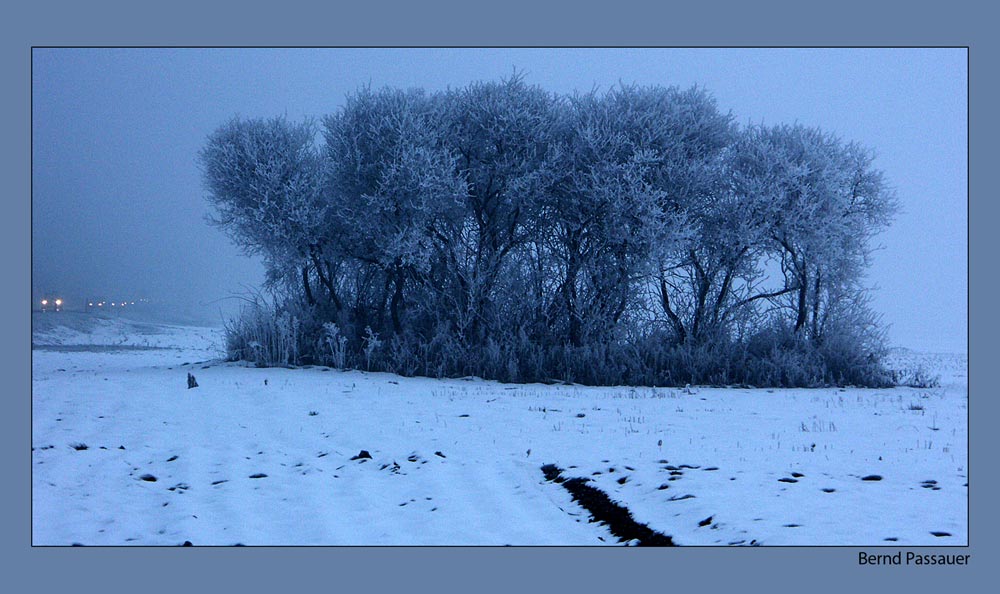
(119,211)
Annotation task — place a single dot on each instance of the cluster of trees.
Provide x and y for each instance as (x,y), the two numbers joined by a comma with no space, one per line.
(638,235)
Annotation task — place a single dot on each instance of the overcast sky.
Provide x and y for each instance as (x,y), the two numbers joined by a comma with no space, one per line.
(118,207)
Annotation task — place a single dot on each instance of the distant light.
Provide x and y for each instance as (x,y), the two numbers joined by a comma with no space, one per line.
(90,305)
(45,301)
(58,301)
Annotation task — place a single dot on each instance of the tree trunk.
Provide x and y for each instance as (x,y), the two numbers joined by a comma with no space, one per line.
(803,307)
(570,297)
(569,290)
(703,282)
(305,286)
(727,283)
(397,300)
(674,319)
(325,280)
(815,312)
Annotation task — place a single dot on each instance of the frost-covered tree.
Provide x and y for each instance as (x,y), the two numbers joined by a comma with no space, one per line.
(633,235)
(263,178)
(500,134)
(397,188)
(824,204)
(600,220)
(684,140)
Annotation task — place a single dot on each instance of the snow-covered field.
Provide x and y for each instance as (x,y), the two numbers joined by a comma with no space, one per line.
(124,453)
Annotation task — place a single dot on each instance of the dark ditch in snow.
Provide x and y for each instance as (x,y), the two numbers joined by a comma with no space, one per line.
(618,519)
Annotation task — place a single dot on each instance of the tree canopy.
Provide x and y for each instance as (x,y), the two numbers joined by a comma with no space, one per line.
(633,236)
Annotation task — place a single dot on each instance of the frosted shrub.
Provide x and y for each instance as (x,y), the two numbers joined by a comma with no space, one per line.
(371,345)
(334,346)
(914,377)
(263,335)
